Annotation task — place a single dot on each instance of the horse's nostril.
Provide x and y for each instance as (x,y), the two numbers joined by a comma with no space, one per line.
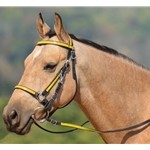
(13,116)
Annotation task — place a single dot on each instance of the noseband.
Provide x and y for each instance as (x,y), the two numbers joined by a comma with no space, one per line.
(42,96)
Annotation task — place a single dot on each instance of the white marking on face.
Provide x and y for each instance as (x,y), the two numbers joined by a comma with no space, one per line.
(37,53)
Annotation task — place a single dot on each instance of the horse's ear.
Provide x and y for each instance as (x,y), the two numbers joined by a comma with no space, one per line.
(60,30)
(42,27)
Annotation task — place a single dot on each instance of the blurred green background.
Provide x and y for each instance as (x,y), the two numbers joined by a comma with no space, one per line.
(126,29)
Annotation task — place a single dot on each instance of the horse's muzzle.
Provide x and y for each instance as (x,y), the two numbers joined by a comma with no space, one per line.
(12,121)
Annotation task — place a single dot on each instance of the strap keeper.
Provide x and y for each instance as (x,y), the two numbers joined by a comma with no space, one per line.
(44,102)
(73,55)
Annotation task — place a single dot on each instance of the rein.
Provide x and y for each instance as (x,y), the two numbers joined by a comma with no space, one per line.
(42,97)
(86,128)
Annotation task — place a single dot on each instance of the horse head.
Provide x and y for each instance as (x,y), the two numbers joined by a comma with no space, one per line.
(47,82)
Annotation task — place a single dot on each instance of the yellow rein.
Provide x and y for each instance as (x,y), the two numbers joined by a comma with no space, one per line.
(78,127)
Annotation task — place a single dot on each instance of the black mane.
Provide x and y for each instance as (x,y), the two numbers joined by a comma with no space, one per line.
(99,47)
(105,49)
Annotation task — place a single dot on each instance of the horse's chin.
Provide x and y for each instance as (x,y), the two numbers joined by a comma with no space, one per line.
(26,128)
(21,130)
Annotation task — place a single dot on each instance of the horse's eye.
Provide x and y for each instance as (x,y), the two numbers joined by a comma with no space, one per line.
(50,66)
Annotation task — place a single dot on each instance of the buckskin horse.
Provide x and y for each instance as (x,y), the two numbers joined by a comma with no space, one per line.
(111,89)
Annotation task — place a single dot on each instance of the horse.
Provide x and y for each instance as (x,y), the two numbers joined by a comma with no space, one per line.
(111,89)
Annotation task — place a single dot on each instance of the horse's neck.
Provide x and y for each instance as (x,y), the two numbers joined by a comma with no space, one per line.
(113,93)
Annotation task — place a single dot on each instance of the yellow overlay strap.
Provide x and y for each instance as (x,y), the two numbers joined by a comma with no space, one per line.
(25,89)
(53,82)
(78,127)
(55,43)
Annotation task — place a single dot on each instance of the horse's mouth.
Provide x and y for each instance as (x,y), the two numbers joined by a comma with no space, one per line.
(26,128)
(20,130)
(31,120)
(38,116)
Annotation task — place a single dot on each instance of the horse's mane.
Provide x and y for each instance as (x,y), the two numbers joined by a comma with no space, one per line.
(100,47)
(105,49)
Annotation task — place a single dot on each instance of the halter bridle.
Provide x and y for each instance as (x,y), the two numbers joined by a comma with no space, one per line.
(60,77)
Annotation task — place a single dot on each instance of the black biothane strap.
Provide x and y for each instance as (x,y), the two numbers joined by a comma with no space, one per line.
(56,123)
(147,122)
